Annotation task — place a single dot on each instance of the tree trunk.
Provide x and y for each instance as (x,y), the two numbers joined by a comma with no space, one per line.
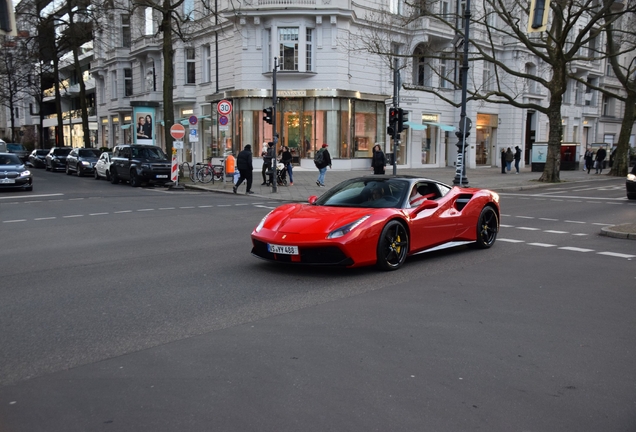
(168,76)
(59,142)
(82,96)
(620,164)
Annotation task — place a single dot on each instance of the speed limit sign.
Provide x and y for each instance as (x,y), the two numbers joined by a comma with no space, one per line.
(224,107)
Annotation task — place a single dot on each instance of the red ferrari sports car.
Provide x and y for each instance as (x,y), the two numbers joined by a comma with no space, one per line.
(377,220)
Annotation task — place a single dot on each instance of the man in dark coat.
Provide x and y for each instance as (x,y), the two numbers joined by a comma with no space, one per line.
(322,167)
(600,157)
(244,165)
(268,156)
(503,160)
(517,158)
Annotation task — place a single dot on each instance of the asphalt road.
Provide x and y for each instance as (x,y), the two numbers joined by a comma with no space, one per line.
(129,309)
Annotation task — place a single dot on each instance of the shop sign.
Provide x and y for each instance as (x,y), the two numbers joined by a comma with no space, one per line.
(291,93)
(429,118)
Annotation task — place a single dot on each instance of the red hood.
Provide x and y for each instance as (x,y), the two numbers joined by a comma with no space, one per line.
(310,219)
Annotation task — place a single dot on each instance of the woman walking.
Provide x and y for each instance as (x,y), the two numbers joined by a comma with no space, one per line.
(286,159)
(378,161)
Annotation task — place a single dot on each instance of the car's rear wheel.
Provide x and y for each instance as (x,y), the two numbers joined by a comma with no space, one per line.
(487,228)
(113,177)
(46,167)
(107,175)
(135,181)
(393,246)
(95,174)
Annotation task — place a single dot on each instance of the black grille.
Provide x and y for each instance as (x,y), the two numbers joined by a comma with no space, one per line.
(328,255)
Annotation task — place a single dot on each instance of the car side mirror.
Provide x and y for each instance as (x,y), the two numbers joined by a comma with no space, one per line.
(313,199)
(426,205)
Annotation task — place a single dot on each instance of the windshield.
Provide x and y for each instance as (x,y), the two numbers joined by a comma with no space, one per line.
(15,147)
(61,151)
(89,153)
(367,193)
(41,152)
(9,159)
(148,153)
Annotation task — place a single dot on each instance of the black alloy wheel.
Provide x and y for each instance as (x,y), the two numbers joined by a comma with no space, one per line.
(393,246)
(487,228)
(113,177)
(135,181)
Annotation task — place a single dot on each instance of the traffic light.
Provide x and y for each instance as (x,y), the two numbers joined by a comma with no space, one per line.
(538,15)
(268,115)
(400,120)
(393,118)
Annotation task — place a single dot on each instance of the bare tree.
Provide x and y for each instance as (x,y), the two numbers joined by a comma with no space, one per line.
(14,76)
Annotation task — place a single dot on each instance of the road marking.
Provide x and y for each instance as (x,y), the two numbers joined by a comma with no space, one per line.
(556,232)
(75,199)
(31,202)
(575,249)
(15,220)
(72,216)
(580,234)
(31,196)
(525,217)
(506,226)
(546,195)
(45,218)
(529,228)
(143,210)
(123,211)
(542,245)
(167,208)
(576,222)
(618,255)
(187,207)
(510,240)
(549,219)
(97,214)
(556,200)
(206,206)
(601,224)
(224,205)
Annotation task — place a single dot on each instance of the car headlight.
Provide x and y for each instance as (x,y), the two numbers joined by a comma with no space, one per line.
(55,159)
(259,227)
(145,166)
(86,163)
(25,173)
(631,177)
(346,228)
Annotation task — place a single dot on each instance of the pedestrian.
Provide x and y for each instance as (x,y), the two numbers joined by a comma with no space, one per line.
(244,165)
(517,158)
(268,156)
(589,159)
(503,160)
(286,159)
(322,160)
(600,157)
(378,160)
(509,158)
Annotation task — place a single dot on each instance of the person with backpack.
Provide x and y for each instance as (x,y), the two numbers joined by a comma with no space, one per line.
(322,160)
(244,165)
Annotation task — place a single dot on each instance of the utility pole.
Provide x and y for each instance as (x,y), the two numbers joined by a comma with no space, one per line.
(396,104)
(464,122)
(274,133)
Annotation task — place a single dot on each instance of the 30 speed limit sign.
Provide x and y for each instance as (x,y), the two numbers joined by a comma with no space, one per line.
(224,107)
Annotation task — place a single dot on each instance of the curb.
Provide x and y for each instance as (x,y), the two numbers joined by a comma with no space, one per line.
(624,231)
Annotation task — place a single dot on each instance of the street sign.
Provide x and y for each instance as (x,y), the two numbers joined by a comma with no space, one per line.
(177,145)
(194,135)
(177,131)
(193,120)
(223,120)
(224,107)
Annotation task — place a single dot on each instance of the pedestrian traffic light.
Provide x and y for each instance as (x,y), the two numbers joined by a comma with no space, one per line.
(538,15)
(268,115)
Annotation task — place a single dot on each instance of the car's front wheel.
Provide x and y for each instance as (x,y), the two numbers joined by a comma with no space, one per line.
(95,174)
(135,181)
(393,246)
(68,170)
(80,173)
(487,228)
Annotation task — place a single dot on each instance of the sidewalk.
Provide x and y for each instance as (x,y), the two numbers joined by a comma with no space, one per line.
(484,178)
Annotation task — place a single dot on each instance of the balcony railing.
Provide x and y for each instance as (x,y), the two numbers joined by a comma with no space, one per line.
(285,2)
(73,114)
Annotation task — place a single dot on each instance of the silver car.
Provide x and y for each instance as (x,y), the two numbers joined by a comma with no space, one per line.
(102,167)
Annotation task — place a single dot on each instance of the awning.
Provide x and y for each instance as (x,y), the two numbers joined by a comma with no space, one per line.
(415,126)
(126,126)
(443,127)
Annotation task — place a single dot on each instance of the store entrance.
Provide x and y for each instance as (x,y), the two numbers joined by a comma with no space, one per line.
(295,128)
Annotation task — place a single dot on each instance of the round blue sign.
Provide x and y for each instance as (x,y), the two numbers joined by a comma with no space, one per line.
(223,120)
(193,120)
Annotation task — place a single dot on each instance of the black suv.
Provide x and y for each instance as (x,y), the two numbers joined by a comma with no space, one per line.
(82,161)
(139,164)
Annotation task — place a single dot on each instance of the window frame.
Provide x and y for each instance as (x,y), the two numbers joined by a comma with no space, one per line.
(190,66)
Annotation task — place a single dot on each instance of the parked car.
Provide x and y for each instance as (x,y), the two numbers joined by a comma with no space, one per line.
(18,150)
(14,173)
(630,184)
(139,164)
(56,159)
(38,158)
(102,167)
(377,220)
(81,161)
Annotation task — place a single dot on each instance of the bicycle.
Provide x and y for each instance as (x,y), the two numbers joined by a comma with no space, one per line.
(186,170)
(211,173)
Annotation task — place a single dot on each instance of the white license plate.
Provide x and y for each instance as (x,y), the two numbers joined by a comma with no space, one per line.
(6,180)
(162,175)
(284,250)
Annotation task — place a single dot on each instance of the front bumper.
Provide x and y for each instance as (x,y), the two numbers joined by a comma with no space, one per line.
(309,255)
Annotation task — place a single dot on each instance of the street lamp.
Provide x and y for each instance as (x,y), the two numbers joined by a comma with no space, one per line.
(464,122)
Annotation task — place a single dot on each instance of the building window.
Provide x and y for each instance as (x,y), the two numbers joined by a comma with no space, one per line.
(396,6)
(589,93)
(608,106)
(113,84)
(531,70)
(149,23)
(190,66)
(421,71)
(578,93)
(444,7)
(487,78)
(125,31)
(309,52)
(444,71)
(128,83)
(17,112)
(207,63)
(188,10)
(288,47)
